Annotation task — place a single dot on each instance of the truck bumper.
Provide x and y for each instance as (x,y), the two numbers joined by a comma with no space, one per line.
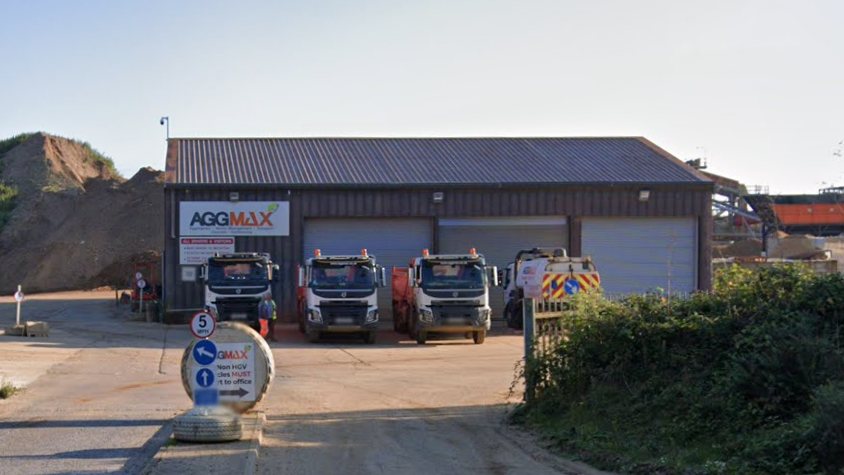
(368,327)
(454,318)
(453,328)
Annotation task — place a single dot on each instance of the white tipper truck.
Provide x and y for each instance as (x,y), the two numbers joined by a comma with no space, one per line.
(339,294)
(235,283)
(443,293)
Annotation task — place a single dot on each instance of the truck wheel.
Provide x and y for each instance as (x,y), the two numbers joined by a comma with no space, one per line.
(411,327)
(312,336)
(479,336)
(134,306)
(514,316)
(369,338)
(216,426)
(400,323)
(421,337)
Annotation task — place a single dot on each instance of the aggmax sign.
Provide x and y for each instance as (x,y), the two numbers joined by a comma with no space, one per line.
(243,218)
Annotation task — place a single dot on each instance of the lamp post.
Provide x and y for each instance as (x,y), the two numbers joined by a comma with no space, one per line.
(167,120)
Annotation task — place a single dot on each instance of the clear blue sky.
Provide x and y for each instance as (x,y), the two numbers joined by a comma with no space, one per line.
(760,84)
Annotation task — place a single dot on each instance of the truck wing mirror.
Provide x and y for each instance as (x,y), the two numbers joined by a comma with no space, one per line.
(301,277)
(202,273)
(494,276)
(382,277)
(275,272)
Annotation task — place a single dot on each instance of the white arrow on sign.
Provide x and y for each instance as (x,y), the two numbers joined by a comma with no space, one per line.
(202,352)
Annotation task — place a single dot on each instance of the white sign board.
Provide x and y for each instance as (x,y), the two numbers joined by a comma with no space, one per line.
(197,250)
(530,278)
(241,218)
(234,372)
(18,296)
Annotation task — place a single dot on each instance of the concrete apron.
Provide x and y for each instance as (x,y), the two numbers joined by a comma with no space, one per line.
(239,457)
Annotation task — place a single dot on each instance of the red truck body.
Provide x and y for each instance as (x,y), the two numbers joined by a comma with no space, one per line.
(402,298)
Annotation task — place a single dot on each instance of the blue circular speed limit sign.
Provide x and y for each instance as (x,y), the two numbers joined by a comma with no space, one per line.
(202,325)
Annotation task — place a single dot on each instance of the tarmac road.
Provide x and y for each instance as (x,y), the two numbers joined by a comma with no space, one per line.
(100,391)
(398,408)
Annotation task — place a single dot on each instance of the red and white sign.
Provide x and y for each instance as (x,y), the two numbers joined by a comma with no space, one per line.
(203,325)
(196,250)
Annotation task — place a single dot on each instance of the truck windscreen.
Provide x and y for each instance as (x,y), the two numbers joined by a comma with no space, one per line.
(453,276)
(355,277)
(236,271)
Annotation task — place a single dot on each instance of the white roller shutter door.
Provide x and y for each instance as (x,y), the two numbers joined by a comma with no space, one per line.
(636,255)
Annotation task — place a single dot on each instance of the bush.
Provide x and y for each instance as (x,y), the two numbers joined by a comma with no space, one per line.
(7,390)
(8,195)
(735,381)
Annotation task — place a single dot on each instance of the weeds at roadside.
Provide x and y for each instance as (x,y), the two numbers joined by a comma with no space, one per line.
(7,390)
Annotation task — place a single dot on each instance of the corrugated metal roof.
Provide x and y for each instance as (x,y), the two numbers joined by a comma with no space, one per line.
(423,161)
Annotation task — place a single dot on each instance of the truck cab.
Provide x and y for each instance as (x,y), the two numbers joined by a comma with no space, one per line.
(235,283)
(546,275)
(445,293)
(339,294)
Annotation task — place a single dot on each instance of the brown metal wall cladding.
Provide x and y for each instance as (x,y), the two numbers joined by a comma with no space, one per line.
(417,202)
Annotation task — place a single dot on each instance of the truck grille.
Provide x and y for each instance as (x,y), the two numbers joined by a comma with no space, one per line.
(343,314)
(247,306)
(456,314)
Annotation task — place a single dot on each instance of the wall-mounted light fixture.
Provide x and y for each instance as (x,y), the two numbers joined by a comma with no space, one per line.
(438,196)
(234,197)
(644,194)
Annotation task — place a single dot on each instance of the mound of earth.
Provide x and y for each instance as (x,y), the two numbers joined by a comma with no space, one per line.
(77,224)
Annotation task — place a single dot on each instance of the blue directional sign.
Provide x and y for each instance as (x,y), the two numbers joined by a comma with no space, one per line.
(572,287)
(206,397)
(205,378)
(205,352)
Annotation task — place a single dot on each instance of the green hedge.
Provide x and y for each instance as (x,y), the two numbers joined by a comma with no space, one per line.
(748,379)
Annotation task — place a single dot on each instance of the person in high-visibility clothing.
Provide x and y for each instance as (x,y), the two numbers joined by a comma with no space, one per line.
(267,311)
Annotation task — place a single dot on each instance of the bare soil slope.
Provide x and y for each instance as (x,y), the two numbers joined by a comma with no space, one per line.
(77,224)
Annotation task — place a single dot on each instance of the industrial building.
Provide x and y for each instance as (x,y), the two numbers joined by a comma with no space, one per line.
(644,216)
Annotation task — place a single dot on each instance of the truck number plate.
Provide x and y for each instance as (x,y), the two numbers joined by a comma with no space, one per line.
(344,320)
(238,316)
